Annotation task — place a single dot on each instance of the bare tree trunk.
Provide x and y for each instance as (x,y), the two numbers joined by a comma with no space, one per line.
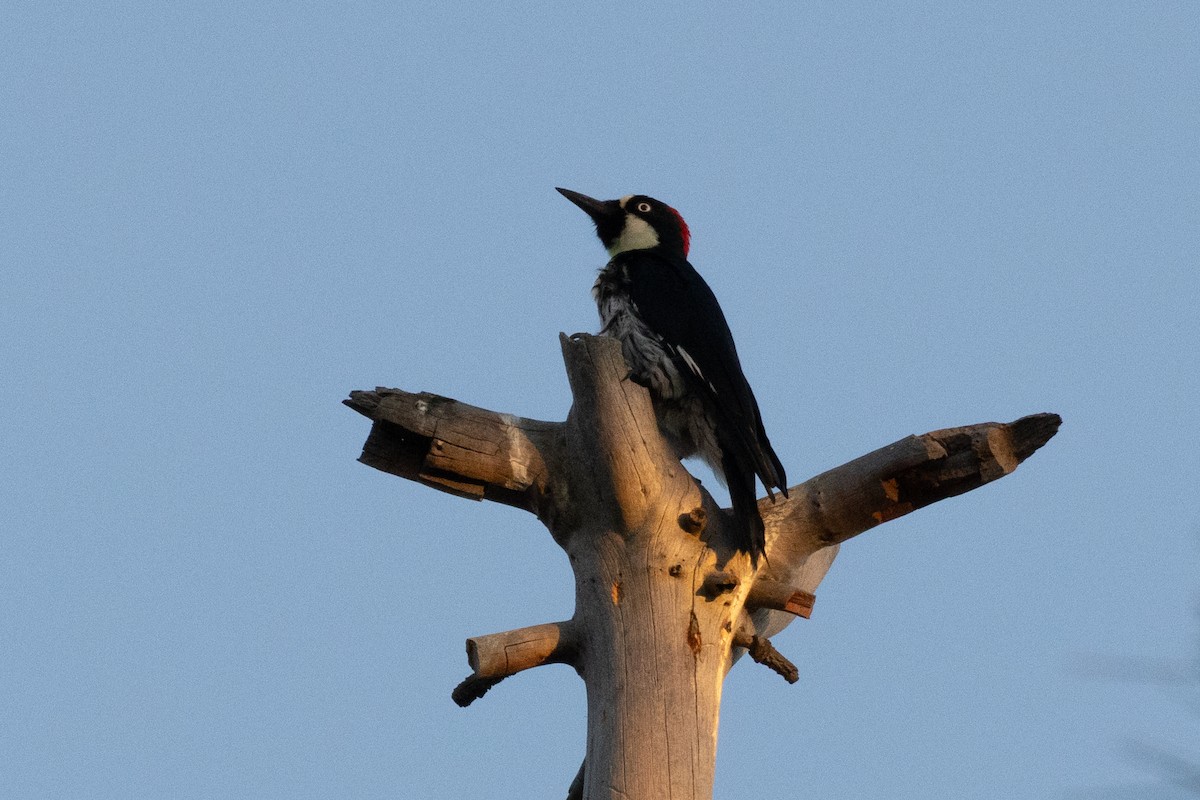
(663,605)
(653,650)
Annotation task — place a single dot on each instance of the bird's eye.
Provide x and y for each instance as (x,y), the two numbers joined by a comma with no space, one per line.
(643,207)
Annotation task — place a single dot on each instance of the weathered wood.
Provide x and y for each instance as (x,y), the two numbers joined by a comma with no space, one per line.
(618,454)
(471,689)
(763,652)
(496,656)
(805,530)
(898,479)
(663,605)
(782,597)
(653,648)
(458,448)
(487,455)
(805,573)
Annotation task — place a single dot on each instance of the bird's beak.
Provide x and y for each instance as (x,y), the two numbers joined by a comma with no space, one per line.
(599,210)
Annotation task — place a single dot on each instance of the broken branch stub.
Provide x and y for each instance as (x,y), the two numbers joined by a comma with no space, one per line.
(496,656)
(458,448)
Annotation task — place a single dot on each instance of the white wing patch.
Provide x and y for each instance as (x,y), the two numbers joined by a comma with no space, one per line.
(694,367)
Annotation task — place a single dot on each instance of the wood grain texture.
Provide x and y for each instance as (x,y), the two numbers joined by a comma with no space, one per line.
(498,655)
(898,479)
(662,603)
(653,649)
(458,448)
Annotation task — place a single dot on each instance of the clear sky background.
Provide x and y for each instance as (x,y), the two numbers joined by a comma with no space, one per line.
(217,219)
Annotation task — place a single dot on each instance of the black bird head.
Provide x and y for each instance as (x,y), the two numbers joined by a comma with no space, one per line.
(635,222)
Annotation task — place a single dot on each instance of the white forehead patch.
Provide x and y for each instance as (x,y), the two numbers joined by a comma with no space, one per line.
(636,235)
(624,200)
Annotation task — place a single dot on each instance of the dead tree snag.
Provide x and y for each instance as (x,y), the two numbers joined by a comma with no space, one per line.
(663,605)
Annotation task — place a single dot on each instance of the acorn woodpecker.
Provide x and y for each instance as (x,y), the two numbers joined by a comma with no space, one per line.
(677,344)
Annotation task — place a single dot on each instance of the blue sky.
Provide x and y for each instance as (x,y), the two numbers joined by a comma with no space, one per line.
(218,219)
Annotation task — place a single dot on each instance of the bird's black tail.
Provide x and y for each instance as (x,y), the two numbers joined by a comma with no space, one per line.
(770,468)
(749,533)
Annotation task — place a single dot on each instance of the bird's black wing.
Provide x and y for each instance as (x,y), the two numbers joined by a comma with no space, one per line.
(677,304)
